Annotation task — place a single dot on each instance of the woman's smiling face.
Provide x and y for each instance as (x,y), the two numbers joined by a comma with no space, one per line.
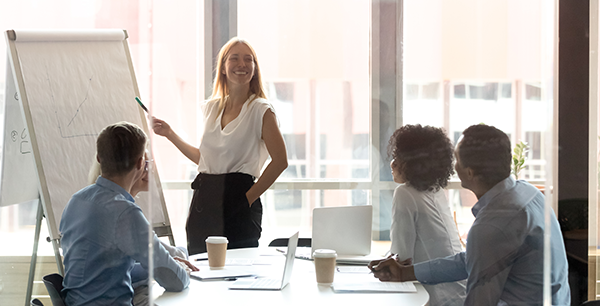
(239,65)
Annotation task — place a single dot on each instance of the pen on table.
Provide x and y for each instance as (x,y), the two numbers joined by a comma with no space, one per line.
(142,105)
(201,259)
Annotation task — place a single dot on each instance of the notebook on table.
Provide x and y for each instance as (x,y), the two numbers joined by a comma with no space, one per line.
(372,287)
(345,229)
(271,283)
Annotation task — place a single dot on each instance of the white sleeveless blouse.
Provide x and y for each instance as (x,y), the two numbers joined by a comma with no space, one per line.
(239,146)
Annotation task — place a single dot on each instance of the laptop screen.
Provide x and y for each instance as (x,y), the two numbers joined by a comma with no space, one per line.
(345,229)
(289,259)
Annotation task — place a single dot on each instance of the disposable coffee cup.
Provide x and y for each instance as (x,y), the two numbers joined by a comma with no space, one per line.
(324,265)
(216,246)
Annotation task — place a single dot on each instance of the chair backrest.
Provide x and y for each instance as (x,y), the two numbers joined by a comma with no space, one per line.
(573,214)
(591,303)
(54,286)
(283,242)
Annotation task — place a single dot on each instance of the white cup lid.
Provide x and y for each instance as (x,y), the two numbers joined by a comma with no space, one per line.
(324,253)
(217,239)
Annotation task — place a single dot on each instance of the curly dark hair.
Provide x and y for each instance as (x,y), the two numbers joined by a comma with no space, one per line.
(424,155)
(486,150)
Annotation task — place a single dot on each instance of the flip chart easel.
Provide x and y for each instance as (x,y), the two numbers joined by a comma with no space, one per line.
(63,87)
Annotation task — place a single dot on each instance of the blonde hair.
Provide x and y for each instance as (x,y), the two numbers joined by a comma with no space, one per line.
(94,171)
(220,90)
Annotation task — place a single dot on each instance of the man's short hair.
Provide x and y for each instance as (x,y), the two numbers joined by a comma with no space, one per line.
(486,150)
(119,146)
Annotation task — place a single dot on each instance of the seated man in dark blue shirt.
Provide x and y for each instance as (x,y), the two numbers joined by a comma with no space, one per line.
(104,232)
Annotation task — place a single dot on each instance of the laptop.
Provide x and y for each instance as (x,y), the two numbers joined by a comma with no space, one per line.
(345,229)
(271,283)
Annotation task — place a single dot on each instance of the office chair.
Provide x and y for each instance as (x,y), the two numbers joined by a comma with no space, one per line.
(54,286)
(573,214)
(573,219)
(36,302)
(591,303)
(283,242)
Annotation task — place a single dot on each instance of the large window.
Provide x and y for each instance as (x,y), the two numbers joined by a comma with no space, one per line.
(333,74)
(317,66)
(471,62)
(315,63)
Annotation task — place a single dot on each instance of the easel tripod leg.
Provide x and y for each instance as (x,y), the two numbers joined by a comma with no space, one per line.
(56,246)
(36,239)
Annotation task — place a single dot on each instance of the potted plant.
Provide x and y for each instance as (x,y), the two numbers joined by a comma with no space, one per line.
(518,161)
(518,158)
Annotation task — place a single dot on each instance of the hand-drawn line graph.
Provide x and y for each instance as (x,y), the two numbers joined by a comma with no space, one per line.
(87,92)
(62,128)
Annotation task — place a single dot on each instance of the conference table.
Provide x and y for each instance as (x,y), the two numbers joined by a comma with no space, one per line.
(301,290)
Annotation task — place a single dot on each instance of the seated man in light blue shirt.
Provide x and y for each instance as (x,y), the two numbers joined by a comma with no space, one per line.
(104,232)
(504,259)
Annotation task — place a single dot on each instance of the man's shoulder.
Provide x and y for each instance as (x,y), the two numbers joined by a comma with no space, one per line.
(519,197)
(98,197)
(82,197)
(520,206)
(85,191)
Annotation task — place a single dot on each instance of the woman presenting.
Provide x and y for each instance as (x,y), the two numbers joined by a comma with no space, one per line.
(240,132)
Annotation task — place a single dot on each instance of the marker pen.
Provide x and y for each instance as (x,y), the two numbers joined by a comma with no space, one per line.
(142,105)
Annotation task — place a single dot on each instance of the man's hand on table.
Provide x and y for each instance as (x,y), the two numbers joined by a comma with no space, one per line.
(393,270)
(188,266)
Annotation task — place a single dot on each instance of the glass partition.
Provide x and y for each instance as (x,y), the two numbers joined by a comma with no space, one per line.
(341,75)
(165,41)
(594,156)
(471,62)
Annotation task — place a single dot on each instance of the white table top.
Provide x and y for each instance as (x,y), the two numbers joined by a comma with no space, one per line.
(302,289)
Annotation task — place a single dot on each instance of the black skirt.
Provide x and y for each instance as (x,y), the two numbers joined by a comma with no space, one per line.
(220,208)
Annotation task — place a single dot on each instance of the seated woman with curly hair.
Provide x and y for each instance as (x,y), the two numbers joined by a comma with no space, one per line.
(422,226)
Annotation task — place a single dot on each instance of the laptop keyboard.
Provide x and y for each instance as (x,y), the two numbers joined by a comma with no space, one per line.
(303,253)
(266,283)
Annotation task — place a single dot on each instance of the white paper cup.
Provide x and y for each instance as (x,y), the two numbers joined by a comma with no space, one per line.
(216,246)
(324,265)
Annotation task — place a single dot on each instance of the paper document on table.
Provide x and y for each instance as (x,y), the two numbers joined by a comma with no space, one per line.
(238,262)
(225,273)
(353,269)
(374,287)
